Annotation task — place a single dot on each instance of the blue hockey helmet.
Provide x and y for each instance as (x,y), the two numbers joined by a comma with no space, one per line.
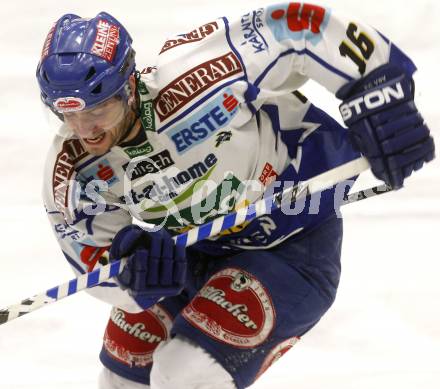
(84,62)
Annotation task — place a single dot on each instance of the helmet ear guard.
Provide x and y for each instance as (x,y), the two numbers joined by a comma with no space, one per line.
(59,115)
(126,90)
(84,62)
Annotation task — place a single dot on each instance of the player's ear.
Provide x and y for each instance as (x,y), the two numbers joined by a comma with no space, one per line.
(132,83)
(131,89)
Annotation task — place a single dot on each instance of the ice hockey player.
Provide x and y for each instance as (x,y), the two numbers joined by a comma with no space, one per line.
(215,124)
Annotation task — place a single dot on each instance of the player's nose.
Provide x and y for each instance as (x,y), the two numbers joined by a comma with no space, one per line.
(85,128)
(88,131)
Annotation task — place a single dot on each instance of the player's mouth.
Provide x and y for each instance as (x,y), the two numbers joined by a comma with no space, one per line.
(96,140)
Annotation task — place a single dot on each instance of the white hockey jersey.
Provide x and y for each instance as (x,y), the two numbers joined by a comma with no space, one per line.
(221,121)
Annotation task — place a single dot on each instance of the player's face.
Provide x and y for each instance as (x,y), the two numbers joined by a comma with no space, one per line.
(99,128)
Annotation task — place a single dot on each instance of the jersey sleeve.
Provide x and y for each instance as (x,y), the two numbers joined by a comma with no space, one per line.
(84,221)
(284,45)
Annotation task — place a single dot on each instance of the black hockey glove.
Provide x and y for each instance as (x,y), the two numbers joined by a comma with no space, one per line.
(385,125)
(155,268)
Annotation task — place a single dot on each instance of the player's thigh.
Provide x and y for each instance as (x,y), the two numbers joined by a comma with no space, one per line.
(258,303)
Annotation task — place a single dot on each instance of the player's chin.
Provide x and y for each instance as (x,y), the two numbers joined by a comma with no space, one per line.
(98,146)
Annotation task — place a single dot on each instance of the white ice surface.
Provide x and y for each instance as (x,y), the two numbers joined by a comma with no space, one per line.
(384,329)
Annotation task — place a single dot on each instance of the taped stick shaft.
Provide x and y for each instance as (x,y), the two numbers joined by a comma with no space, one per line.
(366,194)
(59,292)
(265,206)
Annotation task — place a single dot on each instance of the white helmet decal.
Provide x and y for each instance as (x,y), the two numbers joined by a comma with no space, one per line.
(69,104)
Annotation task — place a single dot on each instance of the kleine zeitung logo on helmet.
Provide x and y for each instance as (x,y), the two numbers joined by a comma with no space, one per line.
(69,104)
(106,40)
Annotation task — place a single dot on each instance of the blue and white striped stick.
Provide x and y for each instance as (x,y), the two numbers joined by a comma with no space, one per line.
(210,229)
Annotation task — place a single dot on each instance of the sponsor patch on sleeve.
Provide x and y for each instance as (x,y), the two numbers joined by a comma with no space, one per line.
(71,153)
(194,36)
(205,122)
(194,82)
(102,171)
(297,21)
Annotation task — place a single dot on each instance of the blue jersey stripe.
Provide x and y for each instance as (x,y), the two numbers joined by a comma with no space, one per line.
(312,55)
(386,40)
(328,66)
(228,38)
(87,163)
(74,264)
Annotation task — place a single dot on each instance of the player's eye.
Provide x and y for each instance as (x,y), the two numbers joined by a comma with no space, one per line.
(98,112)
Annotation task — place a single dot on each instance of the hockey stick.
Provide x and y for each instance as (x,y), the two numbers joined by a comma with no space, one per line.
(366,193)
(210,229)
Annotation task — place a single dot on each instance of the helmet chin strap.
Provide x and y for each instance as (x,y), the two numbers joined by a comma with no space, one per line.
(127,96)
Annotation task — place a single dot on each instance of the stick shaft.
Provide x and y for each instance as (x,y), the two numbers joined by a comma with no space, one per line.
(265,206)
(59,292)
(210,229)
(366,193)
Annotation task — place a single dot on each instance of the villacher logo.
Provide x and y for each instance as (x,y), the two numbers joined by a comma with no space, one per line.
(276,353)
(194,82)
(132,338)
(234,308)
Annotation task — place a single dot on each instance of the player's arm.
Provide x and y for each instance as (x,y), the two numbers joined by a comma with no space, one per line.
(91,230)
(284,45)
